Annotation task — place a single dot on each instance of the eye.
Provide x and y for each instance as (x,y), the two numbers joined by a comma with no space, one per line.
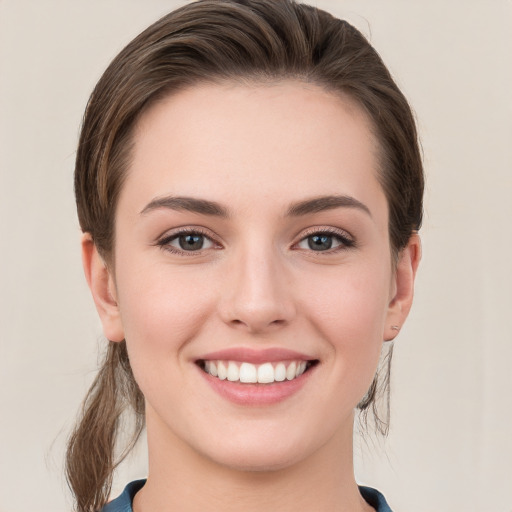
(186,241)
(325,241)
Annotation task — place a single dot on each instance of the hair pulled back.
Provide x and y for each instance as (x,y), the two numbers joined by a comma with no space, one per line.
(217,41)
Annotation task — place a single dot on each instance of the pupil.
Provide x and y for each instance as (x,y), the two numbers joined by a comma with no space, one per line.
(320,242)
(191,242)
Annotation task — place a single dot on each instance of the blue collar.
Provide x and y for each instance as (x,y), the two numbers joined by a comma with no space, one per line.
(124,502)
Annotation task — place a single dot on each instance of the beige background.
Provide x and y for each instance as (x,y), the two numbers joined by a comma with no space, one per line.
(450,446)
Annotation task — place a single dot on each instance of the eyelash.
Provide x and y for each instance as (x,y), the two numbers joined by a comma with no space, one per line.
(164,243)
(344,239)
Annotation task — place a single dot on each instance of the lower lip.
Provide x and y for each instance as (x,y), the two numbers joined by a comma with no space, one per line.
(256,394)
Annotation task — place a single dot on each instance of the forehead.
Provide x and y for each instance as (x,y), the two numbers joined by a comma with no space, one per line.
(228,142)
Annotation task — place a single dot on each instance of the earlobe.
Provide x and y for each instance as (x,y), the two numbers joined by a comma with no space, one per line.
(405,273)
(102,286)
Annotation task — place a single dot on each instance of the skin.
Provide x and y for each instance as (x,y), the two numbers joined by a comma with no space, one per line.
(256,283)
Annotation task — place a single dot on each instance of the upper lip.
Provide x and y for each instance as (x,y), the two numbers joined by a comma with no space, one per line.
(255,356)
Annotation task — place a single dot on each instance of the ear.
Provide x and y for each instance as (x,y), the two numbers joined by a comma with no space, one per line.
(403,287)
(102,286)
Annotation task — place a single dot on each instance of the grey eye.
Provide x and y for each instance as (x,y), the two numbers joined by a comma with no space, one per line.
(190,242)
(323,242)
(320,242)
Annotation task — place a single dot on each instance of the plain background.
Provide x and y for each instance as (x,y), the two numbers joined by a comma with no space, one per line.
(450,446)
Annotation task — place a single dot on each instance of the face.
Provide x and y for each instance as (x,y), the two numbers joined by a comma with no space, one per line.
(252,274)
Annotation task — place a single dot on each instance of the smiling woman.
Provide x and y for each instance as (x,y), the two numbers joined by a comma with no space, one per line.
(248,258)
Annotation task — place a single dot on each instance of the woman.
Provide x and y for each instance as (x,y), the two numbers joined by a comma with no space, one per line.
(249,185)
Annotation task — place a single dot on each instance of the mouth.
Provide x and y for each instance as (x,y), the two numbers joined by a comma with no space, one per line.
(245,372)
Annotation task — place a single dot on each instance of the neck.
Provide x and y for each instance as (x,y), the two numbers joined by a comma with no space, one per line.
(180,479)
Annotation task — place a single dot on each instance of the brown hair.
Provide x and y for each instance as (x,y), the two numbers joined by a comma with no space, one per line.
(210,41)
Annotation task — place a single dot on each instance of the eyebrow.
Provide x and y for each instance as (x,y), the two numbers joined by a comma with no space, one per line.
(206,207)
(190,204)
(322,203)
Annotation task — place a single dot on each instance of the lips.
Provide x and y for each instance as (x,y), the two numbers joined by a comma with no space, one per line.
(248,376)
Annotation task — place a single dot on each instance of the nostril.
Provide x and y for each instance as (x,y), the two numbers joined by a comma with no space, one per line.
(253,324)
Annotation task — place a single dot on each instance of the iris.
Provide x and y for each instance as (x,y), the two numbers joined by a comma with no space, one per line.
(191,242)
(320,242)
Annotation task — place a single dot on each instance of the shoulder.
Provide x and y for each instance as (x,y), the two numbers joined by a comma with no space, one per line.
(123,503)
(375,499)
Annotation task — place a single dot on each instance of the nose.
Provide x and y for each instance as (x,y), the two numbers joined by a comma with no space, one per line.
(257,295)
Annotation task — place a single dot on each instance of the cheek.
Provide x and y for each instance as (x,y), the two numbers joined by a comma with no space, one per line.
(352,300)
(349,311)
(161,314)
(161,309)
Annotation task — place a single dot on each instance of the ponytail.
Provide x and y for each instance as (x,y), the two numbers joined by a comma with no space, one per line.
(377,398)
(91,456)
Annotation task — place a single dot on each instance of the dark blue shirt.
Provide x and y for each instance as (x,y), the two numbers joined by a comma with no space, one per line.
(124,502)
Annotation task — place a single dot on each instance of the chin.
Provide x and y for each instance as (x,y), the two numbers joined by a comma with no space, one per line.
(274,451)
(258,461)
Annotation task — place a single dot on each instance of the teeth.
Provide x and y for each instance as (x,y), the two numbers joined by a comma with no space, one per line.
(301,368)
(280,372)
(265,373)
(222,371)
(233,372)
(248,373)
(290,371)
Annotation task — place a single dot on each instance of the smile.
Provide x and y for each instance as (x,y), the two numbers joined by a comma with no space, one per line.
(265,373)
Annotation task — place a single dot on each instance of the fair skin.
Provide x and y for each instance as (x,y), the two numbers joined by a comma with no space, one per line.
(272,272)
